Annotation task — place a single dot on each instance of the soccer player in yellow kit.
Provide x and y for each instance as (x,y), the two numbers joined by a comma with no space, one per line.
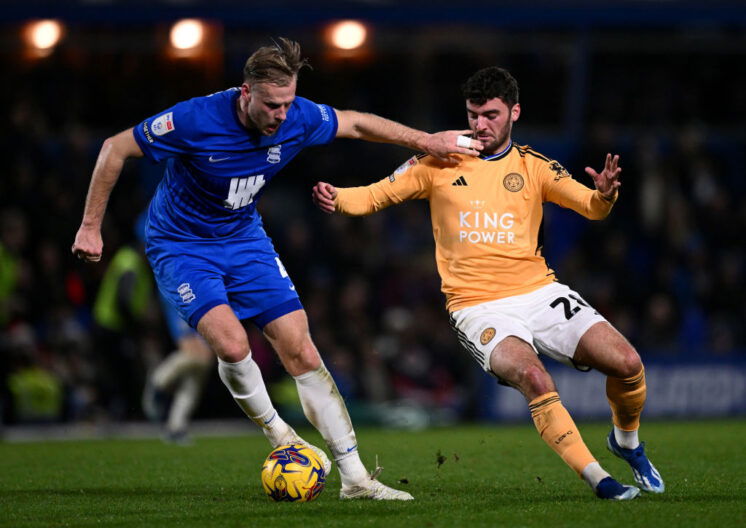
(505,303)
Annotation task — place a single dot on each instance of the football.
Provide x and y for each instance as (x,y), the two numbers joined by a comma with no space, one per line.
(293,473)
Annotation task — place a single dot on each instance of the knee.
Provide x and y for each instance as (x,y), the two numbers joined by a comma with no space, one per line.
(301,357)
(535,381)
(233,350)
(628,363)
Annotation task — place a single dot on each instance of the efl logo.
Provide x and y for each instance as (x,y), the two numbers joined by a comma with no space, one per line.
(187,295)
(404,167)
(163,124)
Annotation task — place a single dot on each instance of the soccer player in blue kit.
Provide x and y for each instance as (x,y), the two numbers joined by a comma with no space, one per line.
(210,254)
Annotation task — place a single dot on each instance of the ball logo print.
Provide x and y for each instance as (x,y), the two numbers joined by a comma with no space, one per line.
(293,473)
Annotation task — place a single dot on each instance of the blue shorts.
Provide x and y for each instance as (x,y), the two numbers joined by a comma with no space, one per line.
(195,275)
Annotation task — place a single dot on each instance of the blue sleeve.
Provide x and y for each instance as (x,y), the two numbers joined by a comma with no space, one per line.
(320,122)
(167,134)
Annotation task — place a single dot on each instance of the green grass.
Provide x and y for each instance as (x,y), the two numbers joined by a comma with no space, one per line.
(491,476)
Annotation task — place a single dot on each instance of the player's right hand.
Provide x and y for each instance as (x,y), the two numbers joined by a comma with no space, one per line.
(323,195)
(88,245)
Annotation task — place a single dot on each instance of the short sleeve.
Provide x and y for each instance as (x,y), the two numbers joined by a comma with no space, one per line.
(166,134)
(320,122)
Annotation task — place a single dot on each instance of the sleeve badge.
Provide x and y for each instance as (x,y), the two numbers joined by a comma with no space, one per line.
(559,170)
(163,124)
(411,162)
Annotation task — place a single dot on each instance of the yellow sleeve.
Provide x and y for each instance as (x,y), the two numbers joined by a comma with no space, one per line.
(410,181)
(559,187)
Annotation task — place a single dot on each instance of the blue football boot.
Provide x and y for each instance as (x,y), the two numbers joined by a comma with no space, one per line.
(610,489)
(646,476)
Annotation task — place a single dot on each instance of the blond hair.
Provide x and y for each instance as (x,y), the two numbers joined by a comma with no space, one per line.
(278,64)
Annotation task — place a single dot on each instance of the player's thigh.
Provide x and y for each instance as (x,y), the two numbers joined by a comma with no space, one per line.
(496,330)
(603,348)
(189,277)
(559,317)
(224,333)
(258,285)
(289,336)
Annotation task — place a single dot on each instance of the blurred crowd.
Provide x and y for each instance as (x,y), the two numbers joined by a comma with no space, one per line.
(666,268)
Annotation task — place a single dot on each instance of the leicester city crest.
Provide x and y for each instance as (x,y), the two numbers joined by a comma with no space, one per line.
(513,182)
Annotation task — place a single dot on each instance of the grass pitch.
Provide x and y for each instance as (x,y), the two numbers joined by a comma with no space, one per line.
(461,476)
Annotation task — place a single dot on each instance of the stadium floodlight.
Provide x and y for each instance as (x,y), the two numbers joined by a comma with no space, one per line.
(43,35)
(348,34)
(187,34)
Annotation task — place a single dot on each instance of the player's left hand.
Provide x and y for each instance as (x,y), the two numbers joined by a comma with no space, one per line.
(442,145)
(607,182)
(323,195)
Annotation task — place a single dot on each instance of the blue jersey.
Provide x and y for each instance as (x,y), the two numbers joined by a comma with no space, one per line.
(217,169)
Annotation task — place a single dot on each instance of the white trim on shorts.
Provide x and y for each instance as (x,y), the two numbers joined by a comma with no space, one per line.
(551,320)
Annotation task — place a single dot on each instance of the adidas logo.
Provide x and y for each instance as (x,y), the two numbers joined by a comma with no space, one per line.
(460,181)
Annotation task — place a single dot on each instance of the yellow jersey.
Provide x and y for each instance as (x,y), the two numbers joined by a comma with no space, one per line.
(486,214)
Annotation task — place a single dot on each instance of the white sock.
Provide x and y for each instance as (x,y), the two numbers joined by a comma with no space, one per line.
(626,439)
(244,381)
(326,410)
(593,473)
(167,373)
(185,400)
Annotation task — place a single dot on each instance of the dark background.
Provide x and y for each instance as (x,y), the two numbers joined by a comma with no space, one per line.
(662,83)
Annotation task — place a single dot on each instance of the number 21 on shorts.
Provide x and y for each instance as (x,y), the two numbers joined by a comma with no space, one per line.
(567,306)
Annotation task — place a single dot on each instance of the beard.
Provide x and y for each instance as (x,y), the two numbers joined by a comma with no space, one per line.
(492,146)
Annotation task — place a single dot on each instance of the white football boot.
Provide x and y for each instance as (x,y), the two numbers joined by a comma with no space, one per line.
(374,490)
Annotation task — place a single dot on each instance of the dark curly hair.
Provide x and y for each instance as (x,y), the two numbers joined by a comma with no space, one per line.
(489,83)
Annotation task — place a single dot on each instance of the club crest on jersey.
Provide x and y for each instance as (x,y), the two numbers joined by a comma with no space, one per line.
(273,154)
(163,124)
(559,170)
(487,335)
(186,293)
(513,182)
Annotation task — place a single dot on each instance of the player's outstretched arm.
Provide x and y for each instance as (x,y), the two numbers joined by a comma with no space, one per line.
(88,243)
(607,182)
(353,201)
(370,127)
(323,195)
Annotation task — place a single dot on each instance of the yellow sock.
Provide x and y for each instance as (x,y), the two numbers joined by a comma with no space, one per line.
(558,430)
(627,398)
